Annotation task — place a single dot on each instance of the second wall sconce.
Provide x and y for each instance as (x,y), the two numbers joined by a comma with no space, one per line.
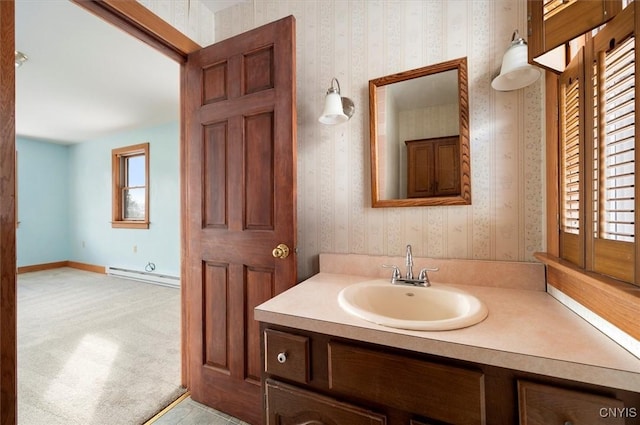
(515,72)
(337,109)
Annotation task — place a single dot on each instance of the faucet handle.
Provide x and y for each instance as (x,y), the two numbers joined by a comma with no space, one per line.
(396,271)
(423,272)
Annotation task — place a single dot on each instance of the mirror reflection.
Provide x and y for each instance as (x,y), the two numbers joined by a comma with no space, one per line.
(420,137)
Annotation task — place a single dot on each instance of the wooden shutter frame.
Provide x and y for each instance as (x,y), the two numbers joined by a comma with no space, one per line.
(572,246)
(565,25)
(606,256)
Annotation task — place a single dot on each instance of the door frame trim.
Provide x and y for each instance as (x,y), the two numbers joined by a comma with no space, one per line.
(8,269)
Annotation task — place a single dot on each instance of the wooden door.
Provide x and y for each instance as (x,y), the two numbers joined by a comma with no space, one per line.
(240,204)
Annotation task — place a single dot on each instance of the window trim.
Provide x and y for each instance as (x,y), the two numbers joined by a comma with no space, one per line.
(117,154)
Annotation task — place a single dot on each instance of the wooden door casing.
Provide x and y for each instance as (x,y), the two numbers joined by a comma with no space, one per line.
(8,331)
(240,204)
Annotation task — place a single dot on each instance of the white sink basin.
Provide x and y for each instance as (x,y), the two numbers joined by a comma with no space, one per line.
(434,308)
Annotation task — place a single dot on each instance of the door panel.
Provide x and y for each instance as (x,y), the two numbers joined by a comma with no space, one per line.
(215,171)
(240,204)
(258,70)
(215,291)
(260,287)
(214,83)
(259,174)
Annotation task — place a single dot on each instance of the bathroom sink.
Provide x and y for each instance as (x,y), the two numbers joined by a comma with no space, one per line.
(433,308)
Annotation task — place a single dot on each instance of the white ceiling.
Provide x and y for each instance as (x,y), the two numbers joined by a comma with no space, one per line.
(86,79)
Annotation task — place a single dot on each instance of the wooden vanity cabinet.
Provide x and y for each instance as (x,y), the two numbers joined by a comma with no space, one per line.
(544,404)
(287,355)
(446,393)
(288,405)
(324,380)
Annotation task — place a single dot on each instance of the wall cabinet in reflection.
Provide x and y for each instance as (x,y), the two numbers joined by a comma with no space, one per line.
(432,167)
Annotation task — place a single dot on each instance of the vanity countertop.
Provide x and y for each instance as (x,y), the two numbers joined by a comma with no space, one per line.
(526,330)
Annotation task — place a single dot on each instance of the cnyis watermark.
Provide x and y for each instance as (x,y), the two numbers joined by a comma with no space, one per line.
(618,412)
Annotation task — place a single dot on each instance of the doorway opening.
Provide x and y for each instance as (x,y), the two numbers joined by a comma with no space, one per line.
(69,117)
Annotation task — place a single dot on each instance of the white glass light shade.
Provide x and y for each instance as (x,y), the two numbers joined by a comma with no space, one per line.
(333,112)
(515,72)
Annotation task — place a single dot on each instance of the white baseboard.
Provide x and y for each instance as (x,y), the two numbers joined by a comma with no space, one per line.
(148,277)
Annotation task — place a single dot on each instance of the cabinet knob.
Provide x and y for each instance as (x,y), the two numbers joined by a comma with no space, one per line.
(568,423)
(282,357)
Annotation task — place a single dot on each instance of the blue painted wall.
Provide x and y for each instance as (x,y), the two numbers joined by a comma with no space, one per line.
(92,239)
(89,236)
(43,202)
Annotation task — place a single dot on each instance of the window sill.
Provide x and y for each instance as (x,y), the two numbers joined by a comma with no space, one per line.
(615,301)
(130,224)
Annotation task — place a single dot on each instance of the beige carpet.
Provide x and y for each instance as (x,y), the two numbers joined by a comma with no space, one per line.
(94,349)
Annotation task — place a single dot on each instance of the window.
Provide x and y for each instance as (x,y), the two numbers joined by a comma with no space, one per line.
(130,204)
(597,153)
(592,256)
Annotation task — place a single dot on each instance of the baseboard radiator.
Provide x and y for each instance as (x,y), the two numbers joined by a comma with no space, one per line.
(148,277)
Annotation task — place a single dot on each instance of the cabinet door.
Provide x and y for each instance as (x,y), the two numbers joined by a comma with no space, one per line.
(447,169)
(288,405)
(433,167)
(420,176)
(443,393)
(547,405)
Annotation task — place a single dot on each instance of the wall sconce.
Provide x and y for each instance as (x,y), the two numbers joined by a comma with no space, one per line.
(516,72)
(337,109)
(20,59)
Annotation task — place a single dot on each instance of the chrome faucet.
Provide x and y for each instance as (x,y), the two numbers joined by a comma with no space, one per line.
(423,277)
(409,263)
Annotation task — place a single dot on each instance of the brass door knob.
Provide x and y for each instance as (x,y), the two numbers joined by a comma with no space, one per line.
(281,251)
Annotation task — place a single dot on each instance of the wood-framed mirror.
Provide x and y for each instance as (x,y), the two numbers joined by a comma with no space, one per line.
(419,137)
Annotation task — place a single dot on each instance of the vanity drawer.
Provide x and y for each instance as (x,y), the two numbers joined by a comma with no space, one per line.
(289,405)
(286,355)
(548,405)
(445,393)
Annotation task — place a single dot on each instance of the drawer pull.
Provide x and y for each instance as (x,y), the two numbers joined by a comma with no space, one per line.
(282,357)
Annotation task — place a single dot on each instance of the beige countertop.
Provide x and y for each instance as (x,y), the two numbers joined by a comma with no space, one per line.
(526,330)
